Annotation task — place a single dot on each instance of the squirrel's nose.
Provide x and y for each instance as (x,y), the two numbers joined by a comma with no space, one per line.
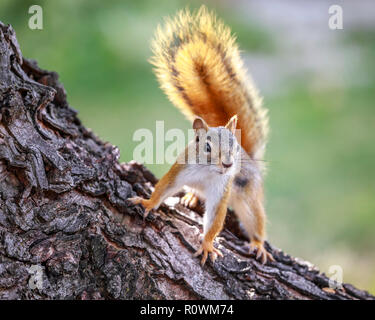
(227,165)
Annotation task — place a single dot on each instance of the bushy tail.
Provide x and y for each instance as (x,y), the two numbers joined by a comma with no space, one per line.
(200,69)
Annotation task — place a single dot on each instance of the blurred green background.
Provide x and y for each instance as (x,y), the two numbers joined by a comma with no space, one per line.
(317,83)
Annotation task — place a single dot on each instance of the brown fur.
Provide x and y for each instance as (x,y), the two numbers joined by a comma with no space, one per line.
(221,212)
(199,67)
(162,189)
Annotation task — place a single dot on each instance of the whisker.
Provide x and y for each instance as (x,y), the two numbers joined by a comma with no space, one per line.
(250,160)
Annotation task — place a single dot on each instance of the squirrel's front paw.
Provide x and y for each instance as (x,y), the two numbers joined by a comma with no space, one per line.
(262,254)
(189,200)
(206,248)
(143,202)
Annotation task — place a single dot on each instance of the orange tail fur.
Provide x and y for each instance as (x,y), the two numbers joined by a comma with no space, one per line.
(200,69)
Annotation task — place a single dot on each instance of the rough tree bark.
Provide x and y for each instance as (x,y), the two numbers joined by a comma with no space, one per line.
(68,231)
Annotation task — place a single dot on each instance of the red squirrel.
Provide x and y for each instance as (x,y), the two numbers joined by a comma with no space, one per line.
(198,65)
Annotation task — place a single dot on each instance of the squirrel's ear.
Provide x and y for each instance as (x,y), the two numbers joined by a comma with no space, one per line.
(199,123)
(232,124)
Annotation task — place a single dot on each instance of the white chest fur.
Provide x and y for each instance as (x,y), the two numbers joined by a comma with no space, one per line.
(210,184)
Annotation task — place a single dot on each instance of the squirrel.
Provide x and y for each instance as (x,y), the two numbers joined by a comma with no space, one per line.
(199,67)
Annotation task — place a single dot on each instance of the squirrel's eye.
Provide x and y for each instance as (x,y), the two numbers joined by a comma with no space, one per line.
(207,147)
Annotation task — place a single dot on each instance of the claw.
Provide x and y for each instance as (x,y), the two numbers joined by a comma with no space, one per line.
(139,200)
(135,200)
(189,200)
(198,252)
(261,254)
(205,249)
(145,215)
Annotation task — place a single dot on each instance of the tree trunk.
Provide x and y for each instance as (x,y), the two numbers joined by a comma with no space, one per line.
(68,231)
